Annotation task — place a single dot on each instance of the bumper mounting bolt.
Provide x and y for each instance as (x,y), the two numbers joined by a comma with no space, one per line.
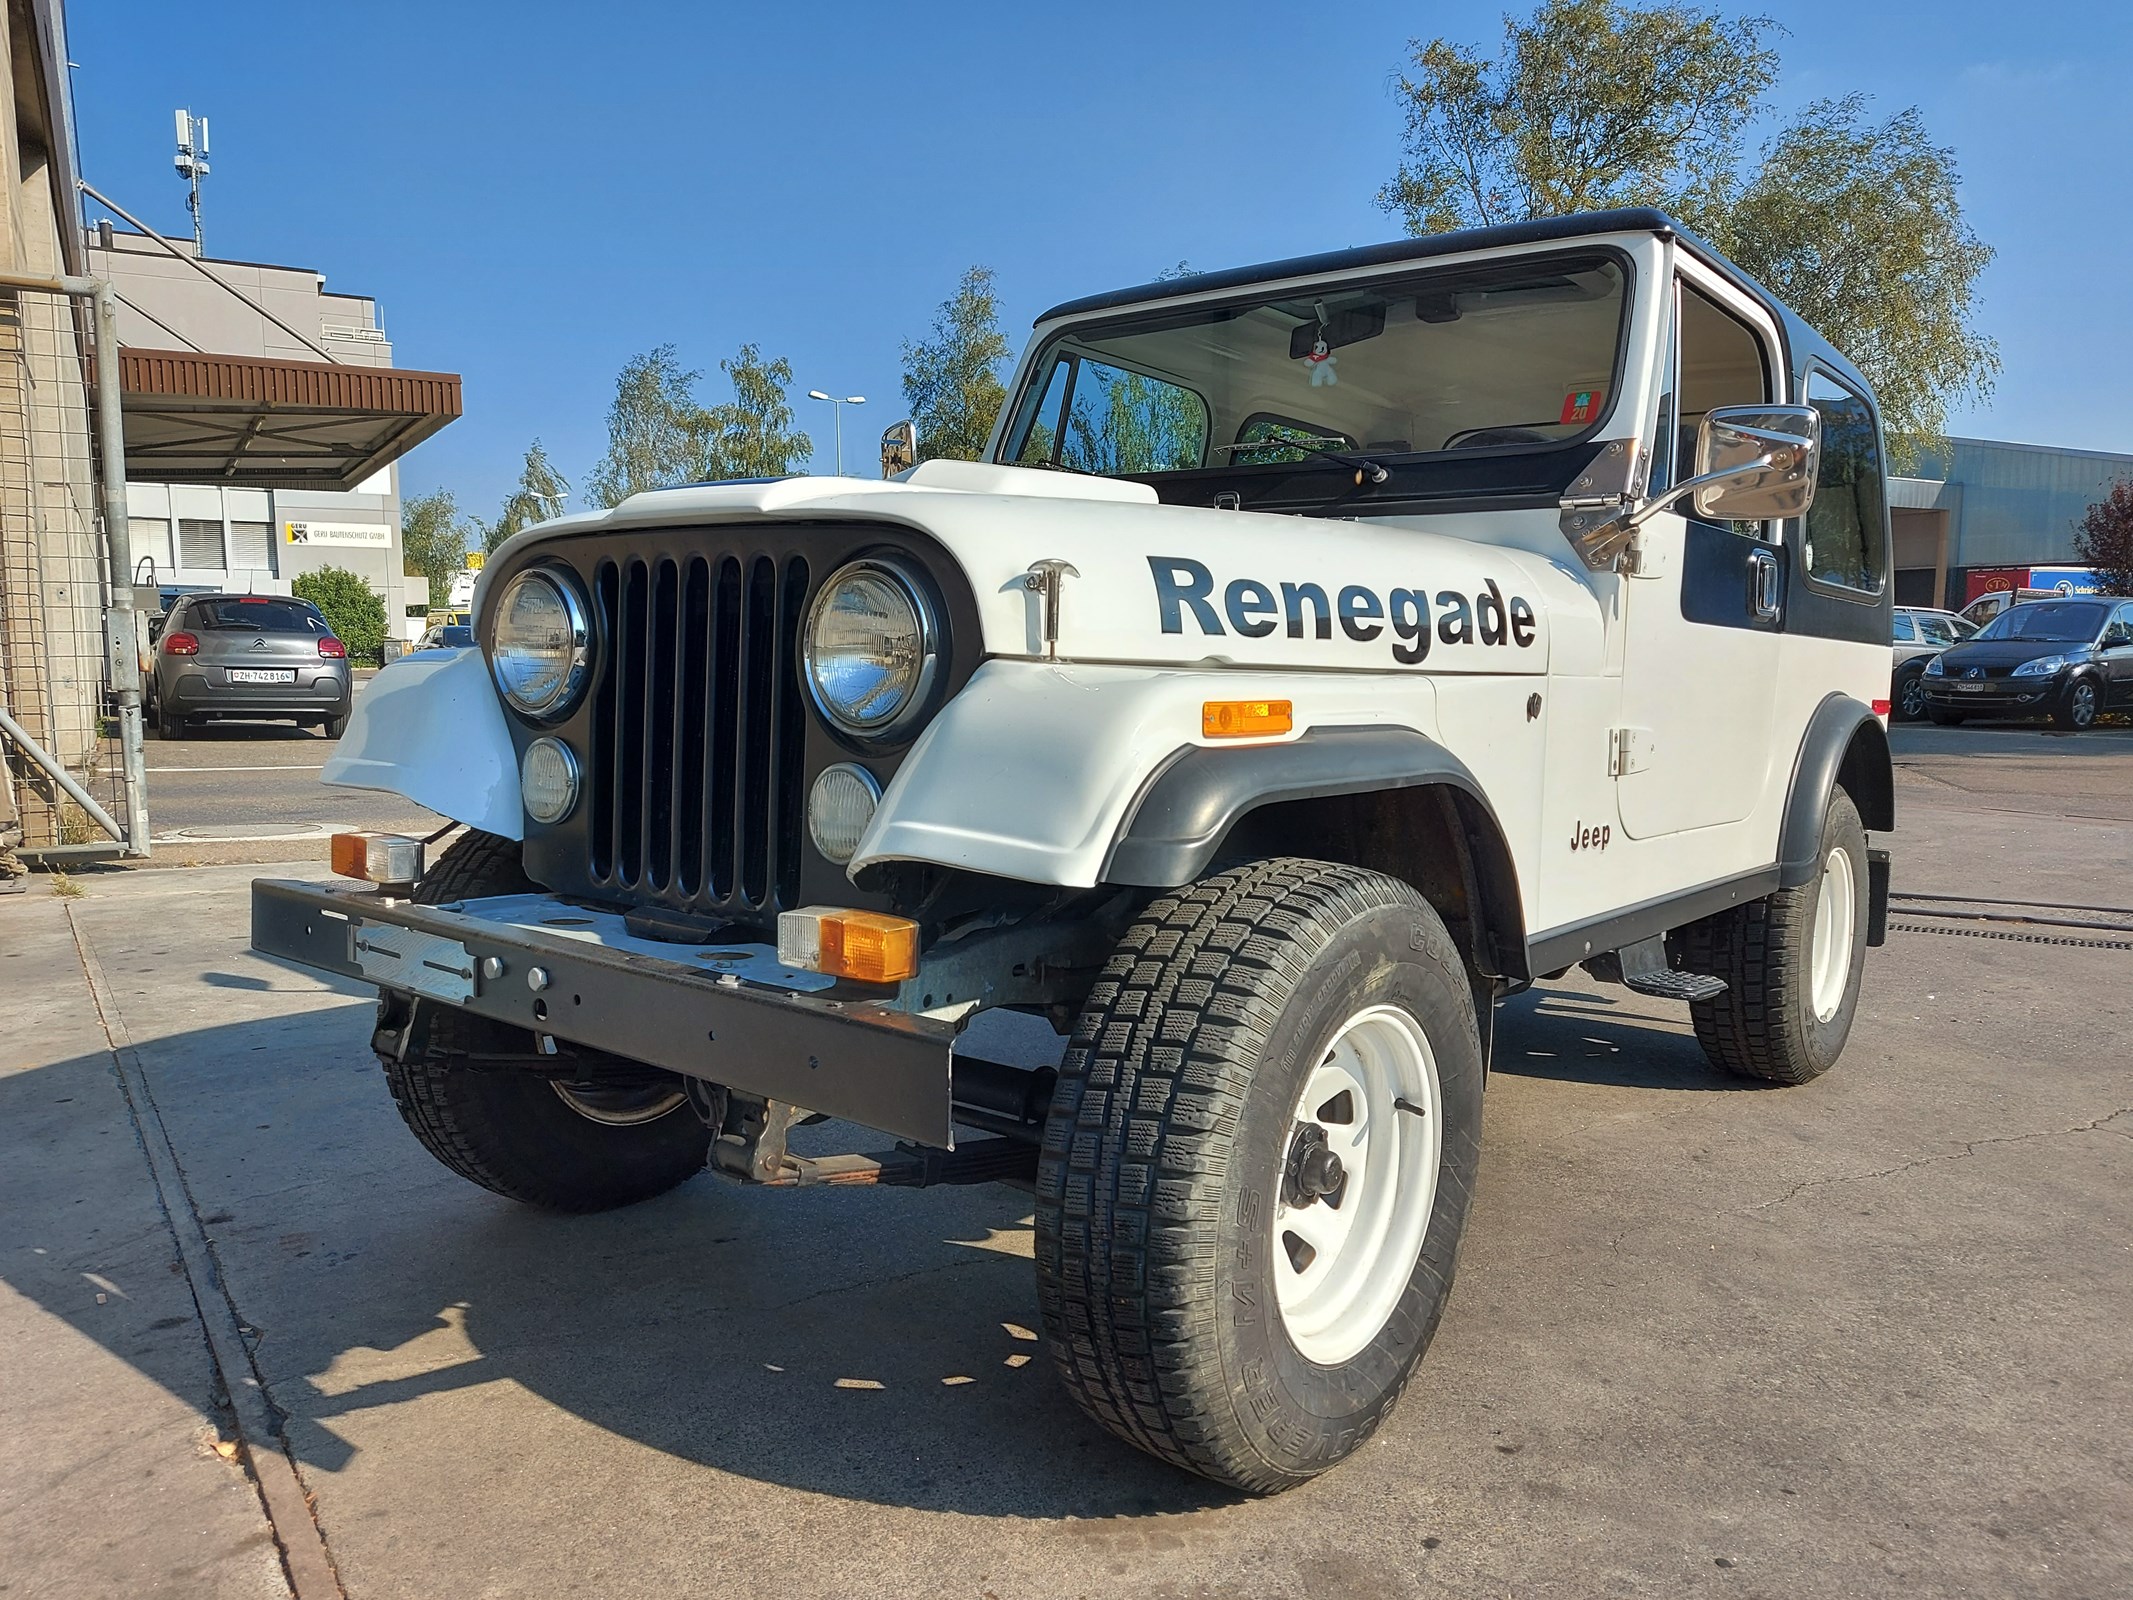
(536,978)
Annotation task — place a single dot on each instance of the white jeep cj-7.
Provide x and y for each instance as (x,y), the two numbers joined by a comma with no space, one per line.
(1325,650)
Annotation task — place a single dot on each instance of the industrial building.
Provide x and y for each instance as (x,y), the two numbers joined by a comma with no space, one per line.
(296,496)
(1984,514)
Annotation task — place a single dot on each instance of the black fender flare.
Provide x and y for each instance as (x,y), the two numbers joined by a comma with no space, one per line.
(1183,813)
(1844,743)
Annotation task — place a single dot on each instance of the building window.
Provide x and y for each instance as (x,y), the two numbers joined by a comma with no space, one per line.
(252,545)
(200,543)
(150,538)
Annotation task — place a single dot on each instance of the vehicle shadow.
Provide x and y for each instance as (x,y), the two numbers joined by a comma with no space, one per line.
(874,1345)
(1606,1035)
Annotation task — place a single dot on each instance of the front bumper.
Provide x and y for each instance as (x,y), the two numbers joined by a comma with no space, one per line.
(2003,696)
(858,1059)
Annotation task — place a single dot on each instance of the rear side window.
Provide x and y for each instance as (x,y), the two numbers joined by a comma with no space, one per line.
(1904,633)
(1847,526)
(254,616)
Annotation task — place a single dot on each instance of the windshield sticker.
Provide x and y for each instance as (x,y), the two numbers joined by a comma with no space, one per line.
(1581,405)
(1253,610)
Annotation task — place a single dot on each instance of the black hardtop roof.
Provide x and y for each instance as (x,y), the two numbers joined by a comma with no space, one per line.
(1801,341)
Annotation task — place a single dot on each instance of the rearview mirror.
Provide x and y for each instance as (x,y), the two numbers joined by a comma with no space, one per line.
(1767,457)
(899,448)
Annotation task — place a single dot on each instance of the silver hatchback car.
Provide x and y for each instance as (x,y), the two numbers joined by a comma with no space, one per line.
(248,656)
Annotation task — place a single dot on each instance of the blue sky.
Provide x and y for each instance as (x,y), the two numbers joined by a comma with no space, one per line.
(533,191)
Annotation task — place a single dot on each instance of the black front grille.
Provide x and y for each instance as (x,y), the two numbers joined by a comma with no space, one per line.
(699,731)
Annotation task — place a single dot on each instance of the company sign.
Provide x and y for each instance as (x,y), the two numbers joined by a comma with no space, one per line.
(363,535)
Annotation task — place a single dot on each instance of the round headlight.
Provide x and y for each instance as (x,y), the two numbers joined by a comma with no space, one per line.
(839,807)
(541,643)
(870,648)
(548,780)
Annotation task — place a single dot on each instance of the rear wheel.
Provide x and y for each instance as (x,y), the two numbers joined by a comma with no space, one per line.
(335,726)
(1792,963)
(616,1133)
(2078,706)
(168,725)
(1256,1169)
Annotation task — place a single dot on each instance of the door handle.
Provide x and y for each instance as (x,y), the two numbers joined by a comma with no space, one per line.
(1763,581)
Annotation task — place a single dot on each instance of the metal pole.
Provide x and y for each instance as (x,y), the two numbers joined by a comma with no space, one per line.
(839,404)
(123,638)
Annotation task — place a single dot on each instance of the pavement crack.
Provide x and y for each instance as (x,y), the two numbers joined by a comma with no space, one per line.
(1970,1147)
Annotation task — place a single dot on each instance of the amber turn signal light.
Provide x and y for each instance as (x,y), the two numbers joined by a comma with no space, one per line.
(387,858)
(1245,719)
(849,944)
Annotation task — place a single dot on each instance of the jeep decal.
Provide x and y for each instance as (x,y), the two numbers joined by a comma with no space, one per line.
(1182,584)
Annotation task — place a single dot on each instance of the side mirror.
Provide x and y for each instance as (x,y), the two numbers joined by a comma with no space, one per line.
(1762,460)
(899,448)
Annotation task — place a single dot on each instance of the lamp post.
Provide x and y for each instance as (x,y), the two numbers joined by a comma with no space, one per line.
(848,400)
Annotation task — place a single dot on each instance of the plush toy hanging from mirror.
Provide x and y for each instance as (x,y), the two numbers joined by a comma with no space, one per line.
(1320,360)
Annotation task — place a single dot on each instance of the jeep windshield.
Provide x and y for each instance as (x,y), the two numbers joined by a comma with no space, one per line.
(1339,398)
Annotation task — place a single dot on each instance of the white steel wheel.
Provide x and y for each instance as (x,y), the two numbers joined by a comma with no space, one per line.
(1359,1184)
(1830,951)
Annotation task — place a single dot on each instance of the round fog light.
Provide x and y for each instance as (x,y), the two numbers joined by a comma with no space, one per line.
(548,780)
(839,808)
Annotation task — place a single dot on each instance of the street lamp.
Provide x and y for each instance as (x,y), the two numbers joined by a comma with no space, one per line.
(848,400)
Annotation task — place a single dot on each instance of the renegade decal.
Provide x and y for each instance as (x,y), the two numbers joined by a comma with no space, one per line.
(1183,585)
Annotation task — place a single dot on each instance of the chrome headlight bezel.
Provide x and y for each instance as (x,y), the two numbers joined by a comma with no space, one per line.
(570,688)
(915,592)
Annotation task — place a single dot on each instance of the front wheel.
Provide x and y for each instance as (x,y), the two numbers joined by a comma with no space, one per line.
(1910,695)
(2077,708)
(610,1135)
(1792,963)
(1256,1169)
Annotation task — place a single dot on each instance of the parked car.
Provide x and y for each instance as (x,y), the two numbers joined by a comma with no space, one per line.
(447,636)
(248,656)
(1987,606)
(1920,634)
(2067,659)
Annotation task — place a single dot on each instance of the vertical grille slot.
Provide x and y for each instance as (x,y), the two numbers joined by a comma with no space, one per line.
(699,730)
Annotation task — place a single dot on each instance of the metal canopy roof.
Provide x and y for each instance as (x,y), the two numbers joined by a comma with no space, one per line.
(241,420)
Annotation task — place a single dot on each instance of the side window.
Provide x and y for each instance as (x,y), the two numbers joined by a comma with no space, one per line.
(1904,631)
(1847,526)
(1721,365)
(2122,624)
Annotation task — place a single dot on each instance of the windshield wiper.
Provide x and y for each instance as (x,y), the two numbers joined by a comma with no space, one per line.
(1365,468)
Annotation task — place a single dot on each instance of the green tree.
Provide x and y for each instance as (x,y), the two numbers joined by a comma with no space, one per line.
(540,495)
(2103,538)
(1858,227)
(1597,103)
(952,380)
(751,435)
(433,541)
(654,429)
(352,609)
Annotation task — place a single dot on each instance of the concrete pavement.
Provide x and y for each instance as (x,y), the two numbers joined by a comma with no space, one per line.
(1861,1338)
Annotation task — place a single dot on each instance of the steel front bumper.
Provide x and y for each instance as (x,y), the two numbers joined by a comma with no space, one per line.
(578,980)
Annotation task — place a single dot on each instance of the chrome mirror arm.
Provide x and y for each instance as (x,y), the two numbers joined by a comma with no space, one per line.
(1604,535)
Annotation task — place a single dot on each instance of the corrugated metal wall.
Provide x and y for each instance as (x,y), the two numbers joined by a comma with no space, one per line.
(2018,503)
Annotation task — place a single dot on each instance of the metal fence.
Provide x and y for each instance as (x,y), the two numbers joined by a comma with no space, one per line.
(70,645)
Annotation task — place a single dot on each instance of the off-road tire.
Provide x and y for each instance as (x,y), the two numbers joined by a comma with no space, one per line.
(1764,1025)
(1162,1161)
(505,1127)
(2078,706)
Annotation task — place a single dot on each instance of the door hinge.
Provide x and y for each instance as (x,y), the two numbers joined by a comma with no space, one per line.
(1628,750)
